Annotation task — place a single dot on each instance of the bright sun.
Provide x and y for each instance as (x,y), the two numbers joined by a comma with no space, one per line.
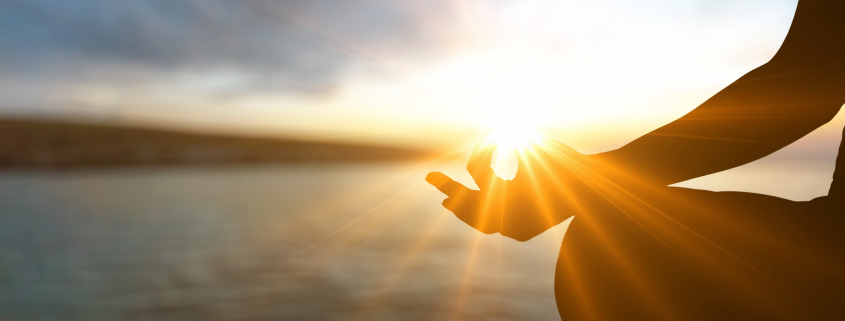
(514,136)
(509,139)
(514,129)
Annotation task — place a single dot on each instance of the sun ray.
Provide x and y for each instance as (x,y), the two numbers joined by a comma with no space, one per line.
(389,224)
(356,220)
(333,234)
(463,291)
(677,240)
(406,261)
(547,209)
(639,219)
(314,245)
(467,276)
(409,258)
(714,138)
(345,52)
(427,191)
(413,199)
(632,273)
(498,280)
(336,39)
(590,309)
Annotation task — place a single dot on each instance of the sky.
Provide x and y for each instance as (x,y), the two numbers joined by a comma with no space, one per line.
(427,74)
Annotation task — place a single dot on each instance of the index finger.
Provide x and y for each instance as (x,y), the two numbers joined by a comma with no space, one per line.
(445,184)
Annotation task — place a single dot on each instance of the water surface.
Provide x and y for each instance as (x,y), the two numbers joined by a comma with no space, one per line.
(280,242)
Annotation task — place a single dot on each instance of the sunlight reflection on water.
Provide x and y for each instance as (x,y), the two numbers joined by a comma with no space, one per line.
(292,242)
(249,243)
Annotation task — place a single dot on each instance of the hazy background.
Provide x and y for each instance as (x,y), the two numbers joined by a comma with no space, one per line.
(402,72)
(341,240)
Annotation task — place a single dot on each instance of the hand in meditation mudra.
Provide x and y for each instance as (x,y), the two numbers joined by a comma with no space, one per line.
(638,249)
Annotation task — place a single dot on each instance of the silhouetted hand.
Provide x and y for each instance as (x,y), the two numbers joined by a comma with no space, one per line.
(552,183)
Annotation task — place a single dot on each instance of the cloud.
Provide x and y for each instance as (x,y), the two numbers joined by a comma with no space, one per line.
(273,41)
(331,64)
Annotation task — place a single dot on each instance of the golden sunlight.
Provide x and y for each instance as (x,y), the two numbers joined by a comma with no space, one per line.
(509,138)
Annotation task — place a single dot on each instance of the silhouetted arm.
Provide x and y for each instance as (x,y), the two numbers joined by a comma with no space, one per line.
(800,89)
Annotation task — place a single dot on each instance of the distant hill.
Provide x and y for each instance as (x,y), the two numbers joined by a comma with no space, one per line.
(45,144)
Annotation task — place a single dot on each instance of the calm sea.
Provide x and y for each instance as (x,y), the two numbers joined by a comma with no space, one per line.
(278,242)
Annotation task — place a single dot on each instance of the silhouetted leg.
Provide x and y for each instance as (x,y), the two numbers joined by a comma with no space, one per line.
(681,254)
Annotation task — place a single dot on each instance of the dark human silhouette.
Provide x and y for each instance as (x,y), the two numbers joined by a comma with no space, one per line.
(640,250)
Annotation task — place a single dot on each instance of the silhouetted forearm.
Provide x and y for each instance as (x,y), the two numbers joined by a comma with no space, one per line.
(800,89)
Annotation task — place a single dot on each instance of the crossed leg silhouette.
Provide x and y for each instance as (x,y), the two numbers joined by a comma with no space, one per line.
(683,254)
